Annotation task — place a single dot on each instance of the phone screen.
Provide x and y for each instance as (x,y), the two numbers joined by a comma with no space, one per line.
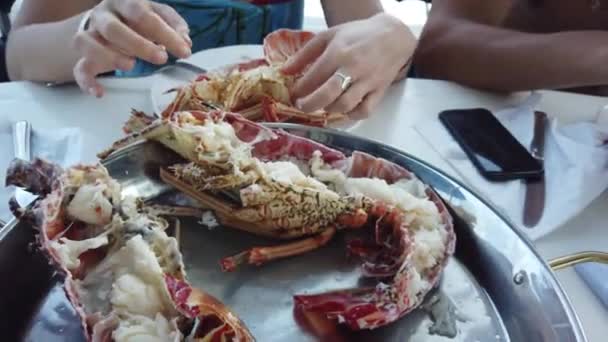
(489,145)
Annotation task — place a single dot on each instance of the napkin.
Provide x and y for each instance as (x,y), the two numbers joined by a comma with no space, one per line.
(576,165)
(576,172)
(595,275)
(62,146)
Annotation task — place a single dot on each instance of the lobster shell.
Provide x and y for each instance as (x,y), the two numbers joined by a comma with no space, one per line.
(49,216)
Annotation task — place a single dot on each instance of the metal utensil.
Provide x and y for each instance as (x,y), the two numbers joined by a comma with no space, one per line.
(22,133)
(178,65)
(534,202)
(189,68)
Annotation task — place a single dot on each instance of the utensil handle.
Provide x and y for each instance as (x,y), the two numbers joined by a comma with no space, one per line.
(22,131)
(578,258)
(538,139)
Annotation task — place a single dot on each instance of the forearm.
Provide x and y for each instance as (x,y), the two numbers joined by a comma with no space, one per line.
(336,13)
(43,52)
(499,59)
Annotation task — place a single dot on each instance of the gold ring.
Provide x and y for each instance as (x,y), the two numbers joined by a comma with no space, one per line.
(346,80)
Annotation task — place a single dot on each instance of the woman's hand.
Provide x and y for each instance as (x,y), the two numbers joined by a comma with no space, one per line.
(372,52)
(120,31)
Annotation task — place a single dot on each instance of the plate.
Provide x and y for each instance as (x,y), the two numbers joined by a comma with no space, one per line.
(497,285)
(212,59)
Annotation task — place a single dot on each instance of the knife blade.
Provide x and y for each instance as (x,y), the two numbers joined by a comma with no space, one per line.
(534,202)
(22,133)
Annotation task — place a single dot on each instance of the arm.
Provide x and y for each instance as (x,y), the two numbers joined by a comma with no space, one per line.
(45,28)
(462,42)
(336,13)
(46,44)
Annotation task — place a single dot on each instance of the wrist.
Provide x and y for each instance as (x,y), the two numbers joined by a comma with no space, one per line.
(405,42)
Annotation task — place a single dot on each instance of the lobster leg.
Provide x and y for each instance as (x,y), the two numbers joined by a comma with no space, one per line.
(260,255)
(203,198)
(183,96)
(274,111)
(252,113)
(158,128)
(171,210)
(137,122)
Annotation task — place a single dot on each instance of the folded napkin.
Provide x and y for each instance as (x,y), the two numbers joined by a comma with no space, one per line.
(62,146)
(576,165)
(576,172)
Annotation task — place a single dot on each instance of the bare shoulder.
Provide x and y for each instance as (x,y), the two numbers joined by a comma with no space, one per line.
(481,11)
(43,11)
(558,15)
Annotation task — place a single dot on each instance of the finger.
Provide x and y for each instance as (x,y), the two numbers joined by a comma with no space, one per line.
(85,71)
(323,96)
(346,102)
(306,55)
(318,74)
(127,40)
(140,16)
(93,47)
(363,110)
(171,17)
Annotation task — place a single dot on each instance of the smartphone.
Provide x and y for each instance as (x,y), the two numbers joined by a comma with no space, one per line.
(490,146)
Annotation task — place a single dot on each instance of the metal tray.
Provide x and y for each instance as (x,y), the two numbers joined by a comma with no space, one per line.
(499,286)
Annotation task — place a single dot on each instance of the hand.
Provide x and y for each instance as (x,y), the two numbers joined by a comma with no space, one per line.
(122,30)
(373,52)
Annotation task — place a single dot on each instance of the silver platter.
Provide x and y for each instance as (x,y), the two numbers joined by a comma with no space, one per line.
(496,287)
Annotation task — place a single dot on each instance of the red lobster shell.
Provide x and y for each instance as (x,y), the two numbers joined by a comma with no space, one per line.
(258,89)
(413,231)
(123,273)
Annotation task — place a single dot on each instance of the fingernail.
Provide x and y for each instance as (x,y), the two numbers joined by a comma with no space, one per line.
(161,56)
(185,51)
(95,92)
(186,37)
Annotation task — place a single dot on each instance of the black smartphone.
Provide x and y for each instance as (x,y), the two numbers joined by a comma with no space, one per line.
(490,146)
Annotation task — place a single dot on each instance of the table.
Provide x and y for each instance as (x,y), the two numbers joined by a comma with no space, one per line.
(406,103)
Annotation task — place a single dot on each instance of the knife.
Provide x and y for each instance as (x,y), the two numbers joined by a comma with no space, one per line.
(534,202)
(22,133)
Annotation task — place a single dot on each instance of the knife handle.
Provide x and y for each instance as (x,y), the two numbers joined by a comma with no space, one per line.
(22,131)
(538,139)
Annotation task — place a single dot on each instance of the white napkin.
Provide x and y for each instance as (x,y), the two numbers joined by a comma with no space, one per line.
(61,146)
(576,165)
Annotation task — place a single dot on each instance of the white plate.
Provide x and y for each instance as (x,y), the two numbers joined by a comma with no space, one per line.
(212,59)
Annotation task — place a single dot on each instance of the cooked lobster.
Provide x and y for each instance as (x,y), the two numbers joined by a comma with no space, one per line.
(257,89)
(123,274)
(272,183)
